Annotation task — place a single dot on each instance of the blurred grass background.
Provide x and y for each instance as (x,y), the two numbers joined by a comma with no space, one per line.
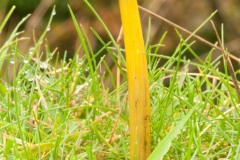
(63,36)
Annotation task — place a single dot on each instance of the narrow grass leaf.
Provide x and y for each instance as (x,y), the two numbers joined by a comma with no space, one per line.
(165,144)
(6,18)
(4,49)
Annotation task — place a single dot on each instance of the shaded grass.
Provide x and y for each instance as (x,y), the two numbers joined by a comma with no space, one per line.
(68,113)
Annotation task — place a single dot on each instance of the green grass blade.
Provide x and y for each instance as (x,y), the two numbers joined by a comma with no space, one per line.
(6,18)
(7,44)
(108,32)
(85,48)
(165,144)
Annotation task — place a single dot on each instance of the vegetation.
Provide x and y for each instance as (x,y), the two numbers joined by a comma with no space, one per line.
(60,109)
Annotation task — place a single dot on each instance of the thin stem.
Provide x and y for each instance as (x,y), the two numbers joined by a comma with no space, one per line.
(229,63)
(186,31)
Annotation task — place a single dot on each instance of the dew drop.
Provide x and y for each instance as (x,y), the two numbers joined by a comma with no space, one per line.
(30,79)
(25,61)
(43,65)
(47,81)
(12,61)
(26,72)
(9,88)
(54,12)
(87,69)
(81,63)
(31,50)
(48,28)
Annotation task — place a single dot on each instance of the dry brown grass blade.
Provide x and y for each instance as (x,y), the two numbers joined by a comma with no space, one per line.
(119,41)
(229,63)
(186,31)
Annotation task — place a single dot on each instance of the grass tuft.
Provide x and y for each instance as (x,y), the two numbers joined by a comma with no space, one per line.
(66,112)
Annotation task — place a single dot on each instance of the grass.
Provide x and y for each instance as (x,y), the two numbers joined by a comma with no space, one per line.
(66,112)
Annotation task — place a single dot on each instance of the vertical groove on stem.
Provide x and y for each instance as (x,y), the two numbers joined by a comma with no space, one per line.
(138,85)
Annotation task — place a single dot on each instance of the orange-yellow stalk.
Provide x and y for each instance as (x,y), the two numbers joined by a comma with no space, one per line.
(138,85)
